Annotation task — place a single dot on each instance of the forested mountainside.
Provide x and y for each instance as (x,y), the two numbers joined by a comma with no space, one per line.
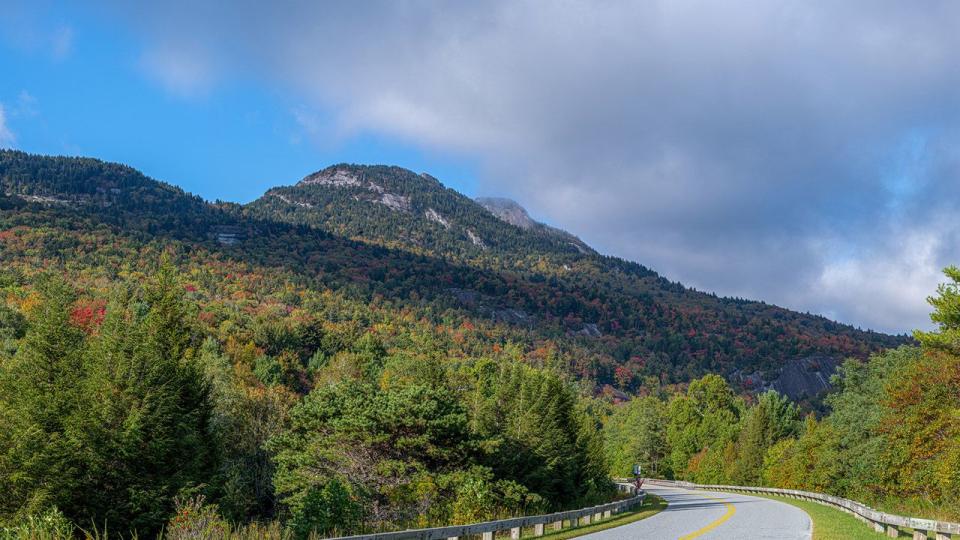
(168,364)
(388,237)
(397,207)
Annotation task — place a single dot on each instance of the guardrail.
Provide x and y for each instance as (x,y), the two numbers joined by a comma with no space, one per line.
(488,529)
(880,521)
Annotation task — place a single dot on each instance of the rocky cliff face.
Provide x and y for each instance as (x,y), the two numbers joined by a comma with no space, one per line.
(508,210)
(800,378)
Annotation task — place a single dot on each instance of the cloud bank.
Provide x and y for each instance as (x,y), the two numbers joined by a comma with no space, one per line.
(804,153)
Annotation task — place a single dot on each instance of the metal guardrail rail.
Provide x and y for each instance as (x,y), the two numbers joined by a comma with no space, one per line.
(488,529)
(880,521)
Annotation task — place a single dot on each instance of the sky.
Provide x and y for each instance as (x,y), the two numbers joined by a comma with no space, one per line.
(803,153)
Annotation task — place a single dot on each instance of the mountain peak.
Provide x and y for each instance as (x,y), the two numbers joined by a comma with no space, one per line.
(508,210)
(336,175)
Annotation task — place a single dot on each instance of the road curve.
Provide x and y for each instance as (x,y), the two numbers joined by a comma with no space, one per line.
(707,515)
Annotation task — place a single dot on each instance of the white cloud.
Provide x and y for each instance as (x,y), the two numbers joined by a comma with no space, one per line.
(185,72)
(7,138)
(890,283)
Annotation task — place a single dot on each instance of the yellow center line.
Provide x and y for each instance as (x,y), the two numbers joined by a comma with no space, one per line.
(730,512)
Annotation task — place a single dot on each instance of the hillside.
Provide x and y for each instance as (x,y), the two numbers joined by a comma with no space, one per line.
(401,245)
(396,207)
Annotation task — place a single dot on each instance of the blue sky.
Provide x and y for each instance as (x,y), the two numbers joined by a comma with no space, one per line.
(87,93)
(806,153)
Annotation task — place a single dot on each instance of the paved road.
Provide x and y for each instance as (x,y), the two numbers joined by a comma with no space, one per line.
(706,515)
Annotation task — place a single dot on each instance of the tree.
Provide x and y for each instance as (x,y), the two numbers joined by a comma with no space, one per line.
(245,415)
(921,424)
(705,419)
(382,449)
(636,434)
(533,433)
(946,315)
(145,425)
(858,404)
(39,392)
(773,418)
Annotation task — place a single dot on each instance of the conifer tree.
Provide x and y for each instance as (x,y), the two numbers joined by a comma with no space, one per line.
(946,315)
(39,390)
(145,423)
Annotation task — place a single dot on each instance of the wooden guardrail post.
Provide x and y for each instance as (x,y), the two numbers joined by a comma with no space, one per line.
(557,525)
(538,529)
(488,535)
(893,531)
(943,536)
(515,533)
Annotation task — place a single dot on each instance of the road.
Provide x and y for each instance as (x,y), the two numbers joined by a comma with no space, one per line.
(706,515)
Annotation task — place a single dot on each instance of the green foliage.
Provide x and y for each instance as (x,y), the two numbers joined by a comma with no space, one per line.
(535,434)
(13,325)
(635,434)
(376,446)
(107,428)
(772,419)
(245,415)
(39,393)
(50,525)
(703,420)
(146,408)
(946,315)
(327,510)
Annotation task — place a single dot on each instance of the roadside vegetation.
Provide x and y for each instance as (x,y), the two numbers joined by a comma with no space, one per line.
(889,436)
(122,414)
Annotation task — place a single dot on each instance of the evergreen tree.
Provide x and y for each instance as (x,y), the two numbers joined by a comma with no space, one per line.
(145,423)
(946,315)
(773,418)
(39,391)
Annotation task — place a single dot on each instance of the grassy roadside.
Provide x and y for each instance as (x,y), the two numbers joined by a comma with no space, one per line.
(828,523)
(651,505)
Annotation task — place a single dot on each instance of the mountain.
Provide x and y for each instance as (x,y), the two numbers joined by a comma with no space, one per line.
(396,207)
(508,210)
(395,247)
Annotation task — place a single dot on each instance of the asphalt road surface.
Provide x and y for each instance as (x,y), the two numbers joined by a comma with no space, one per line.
(707,515)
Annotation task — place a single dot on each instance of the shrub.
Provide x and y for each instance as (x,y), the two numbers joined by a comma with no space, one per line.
(50,525)
(196,520)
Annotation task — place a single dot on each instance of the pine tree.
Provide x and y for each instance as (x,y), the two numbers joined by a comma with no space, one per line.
(39,390)
(145,426)
(946,315)
(773,418)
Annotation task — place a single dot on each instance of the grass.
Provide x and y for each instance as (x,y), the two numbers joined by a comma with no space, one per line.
(651,505)
(831,524)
